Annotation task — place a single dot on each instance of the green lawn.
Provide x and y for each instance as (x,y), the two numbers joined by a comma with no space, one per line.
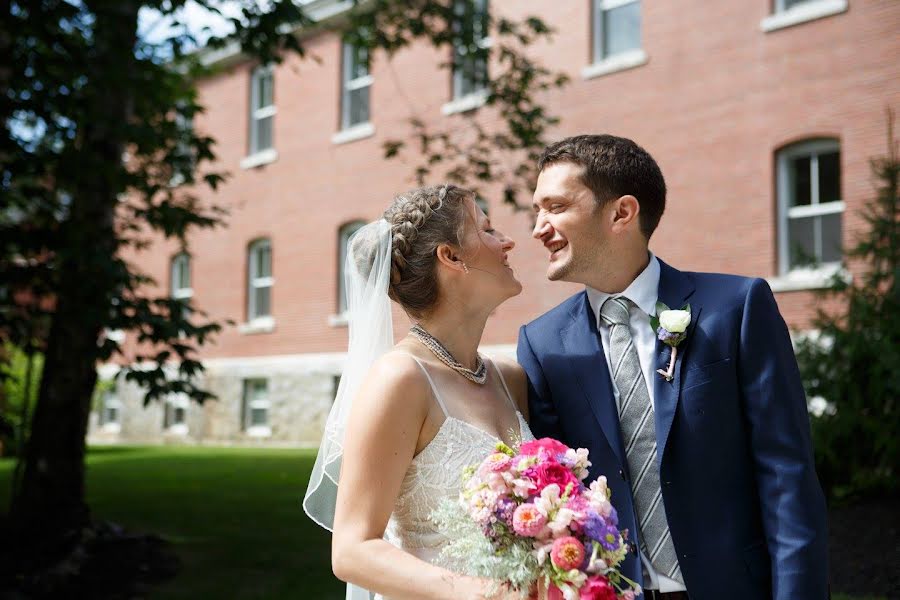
(234,516)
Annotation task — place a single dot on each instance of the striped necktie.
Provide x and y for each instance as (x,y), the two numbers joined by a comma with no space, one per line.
(639,437)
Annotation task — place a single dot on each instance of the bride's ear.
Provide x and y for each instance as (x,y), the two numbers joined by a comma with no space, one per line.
(449,256)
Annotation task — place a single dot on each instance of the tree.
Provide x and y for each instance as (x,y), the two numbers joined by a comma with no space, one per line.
(852,362)
(96,158)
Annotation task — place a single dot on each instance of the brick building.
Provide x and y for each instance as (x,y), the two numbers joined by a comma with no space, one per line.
(762,114)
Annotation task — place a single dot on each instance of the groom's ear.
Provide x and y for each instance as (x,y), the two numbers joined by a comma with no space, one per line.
(625,214)
(449,256)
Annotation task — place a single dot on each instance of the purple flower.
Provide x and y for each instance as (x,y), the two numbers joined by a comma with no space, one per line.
(602,530)
(505,509)
(663,335)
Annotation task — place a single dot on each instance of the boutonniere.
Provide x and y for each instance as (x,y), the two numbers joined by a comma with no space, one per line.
(670,327)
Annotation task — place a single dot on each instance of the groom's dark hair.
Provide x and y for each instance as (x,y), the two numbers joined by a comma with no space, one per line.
(614,167)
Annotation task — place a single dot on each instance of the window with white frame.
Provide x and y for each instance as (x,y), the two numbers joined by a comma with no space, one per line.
(616,28)
(180,276)
(785,5)
(470,50)
(344,234)
(259,280)
(809,204)
(262,109)
(110,411)
(175,415)
(256,407)
(355,85)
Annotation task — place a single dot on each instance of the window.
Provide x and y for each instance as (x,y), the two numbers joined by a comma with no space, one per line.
(110,411)
(355,85)
(180,278)
(175,416)
(809,204)
(784,5)
(617,28)
(470,53)
(262,109)
(343,241)
(256,407)
(786,13)
(259,280)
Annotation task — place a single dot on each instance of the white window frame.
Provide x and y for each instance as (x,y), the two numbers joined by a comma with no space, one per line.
(110,400)
(249,404)
(600,8)
(175,401)
(180,262)
(257,113)
(351,84)
(344,234)
(810,10)
(813,149)
(255,281)
(470,100)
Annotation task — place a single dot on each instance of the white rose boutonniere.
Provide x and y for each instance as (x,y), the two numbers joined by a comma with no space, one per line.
(670,327)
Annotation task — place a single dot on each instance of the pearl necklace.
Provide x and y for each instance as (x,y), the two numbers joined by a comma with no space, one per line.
(479,375)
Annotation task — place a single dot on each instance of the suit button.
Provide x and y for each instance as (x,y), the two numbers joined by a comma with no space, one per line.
(632,547)
(622,475)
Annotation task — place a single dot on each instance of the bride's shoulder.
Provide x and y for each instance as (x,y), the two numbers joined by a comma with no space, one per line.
(515,378)
(397,376)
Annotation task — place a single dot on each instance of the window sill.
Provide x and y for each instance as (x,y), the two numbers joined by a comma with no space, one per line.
(803,13)
(259,431)
(263,157)
(808,279)
(615,63)
(111,428)
(338,320)
(258,325)
(351,134)
(465,104)
(181,429)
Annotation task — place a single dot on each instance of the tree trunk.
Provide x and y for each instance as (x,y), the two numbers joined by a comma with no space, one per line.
(50,509)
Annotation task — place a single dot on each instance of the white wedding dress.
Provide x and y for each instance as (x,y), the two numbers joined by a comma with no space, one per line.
(435,473)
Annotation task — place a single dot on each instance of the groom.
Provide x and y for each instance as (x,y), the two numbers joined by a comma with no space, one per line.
(711,469)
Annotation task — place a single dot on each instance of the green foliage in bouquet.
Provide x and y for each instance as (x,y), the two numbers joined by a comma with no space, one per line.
(853,363)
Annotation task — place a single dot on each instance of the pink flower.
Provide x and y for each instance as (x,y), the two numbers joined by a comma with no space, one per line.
(567,553)
(496,462)
(548,473)
(554,593)
(627,595)
(550,446)
(528,520)
(598,588)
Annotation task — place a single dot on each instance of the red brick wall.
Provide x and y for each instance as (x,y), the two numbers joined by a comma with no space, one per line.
(714,102)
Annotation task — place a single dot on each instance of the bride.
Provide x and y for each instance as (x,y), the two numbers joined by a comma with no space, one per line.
(408,417)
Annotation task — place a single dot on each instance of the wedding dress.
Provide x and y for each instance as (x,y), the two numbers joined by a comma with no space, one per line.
(435,473)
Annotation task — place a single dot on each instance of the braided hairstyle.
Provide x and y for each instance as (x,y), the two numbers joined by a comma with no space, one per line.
(421,220)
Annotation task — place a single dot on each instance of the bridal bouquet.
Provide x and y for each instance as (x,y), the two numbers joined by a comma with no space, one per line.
(524,518)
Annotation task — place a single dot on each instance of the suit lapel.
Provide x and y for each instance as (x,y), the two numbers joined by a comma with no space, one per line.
(674,290)
(586,357)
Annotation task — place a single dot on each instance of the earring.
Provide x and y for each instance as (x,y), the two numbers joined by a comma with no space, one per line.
(465,268)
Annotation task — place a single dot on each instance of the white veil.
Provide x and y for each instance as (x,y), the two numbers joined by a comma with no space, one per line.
(367,272)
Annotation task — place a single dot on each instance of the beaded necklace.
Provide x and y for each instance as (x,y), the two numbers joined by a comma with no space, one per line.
(479,375)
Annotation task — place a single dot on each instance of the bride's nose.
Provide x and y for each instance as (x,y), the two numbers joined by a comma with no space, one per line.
(508,243)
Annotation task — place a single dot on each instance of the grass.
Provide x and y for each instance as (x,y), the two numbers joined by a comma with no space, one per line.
(233,515)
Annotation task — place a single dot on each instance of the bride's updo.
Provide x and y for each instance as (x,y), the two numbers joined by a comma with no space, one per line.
(421,220)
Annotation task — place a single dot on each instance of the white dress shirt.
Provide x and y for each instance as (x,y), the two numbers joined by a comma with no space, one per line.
(643,292)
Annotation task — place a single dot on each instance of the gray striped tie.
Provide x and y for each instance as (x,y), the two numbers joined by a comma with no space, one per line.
(639,438)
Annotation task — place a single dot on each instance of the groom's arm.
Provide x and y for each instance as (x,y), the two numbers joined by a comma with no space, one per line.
(542,417)
(793,506)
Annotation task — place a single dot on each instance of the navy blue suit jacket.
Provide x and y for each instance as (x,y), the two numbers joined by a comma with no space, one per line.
(744,506)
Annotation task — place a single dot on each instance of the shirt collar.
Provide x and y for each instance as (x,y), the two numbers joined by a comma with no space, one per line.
(643,291)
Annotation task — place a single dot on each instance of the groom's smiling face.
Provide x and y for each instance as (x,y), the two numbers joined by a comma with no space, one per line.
(568,222)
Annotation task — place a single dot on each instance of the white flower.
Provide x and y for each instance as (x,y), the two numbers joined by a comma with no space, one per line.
(675,321)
